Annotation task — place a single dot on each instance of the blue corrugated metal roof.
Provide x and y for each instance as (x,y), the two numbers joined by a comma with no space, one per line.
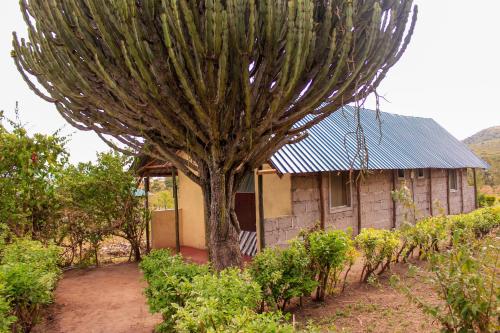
(139,193)
(392,142)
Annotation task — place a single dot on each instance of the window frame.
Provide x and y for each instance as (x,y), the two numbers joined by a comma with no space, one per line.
(336,209)
(404,173)
(455,173)
(418,173)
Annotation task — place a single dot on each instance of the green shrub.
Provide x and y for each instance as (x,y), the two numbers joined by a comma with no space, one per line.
(430,234)
(223,303)
(475,224)
(408,241)
(251,322)
(466,279)
(378,248)
(485,200)
(283,274)
(32,253)
(168,278)
(193,299)
(6,318)
(244,320)
(329,252)
(485,220)
(29,273)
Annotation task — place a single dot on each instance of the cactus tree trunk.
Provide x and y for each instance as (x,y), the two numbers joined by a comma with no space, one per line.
(222,223)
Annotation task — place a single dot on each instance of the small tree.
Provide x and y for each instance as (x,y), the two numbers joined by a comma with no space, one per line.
(329,252)
(466,279)
(215,87)
(29,168)
(283,274)
(101,202)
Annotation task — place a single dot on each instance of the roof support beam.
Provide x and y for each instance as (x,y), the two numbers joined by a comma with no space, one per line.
(146,204)
(358,197)
(321,201)
(267,172)
(461,190)
(475,188)
(176,212)
(448,191)
(393,199)
(260,186)
(430,194)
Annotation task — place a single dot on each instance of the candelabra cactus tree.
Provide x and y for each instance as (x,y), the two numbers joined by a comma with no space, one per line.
(213,86)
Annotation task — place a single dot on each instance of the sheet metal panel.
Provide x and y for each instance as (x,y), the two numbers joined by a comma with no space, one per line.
(392,142)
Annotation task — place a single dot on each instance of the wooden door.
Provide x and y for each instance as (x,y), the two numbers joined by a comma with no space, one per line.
(245,210)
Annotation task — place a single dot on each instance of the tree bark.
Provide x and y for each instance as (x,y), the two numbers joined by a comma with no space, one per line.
(136,248)
(223,227)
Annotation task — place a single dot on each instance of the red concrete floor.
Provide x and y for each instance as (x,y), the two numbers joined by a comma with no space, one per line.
(200,256)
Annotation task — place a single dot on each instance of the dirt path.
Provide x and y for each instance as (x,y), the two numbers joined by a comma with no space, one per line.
(103,300)
(376,308)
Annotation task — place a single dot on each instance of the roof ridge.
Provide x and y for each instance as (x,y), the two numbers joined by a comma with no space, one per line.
(390,113)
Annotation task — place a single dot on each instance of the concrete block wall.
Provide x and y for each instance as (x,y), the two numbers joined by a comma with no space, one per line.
(469,200)
(305,212)
(439,190)
(376,203)
(376,200)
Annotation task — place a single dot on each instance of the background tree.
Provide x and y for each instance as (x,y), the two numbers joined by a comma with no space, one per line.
(100,202)
(29,169)
(213,86)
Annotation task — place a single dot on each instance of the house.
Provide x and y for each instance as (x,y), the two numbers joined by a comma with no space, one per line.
(341,175)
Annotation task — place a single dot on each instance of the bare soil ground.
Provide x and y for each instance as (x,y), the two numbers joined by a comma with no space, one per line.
(373,307)
(108,299)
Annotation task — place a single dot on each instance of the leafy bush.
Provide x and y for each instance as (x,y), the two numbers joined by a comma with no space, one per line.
(485,200)
(378,248)
(100,202)
(225,303)
(466,280)
(29,273)
(251,322)
(329,251)
(33,253)
(408,235)
(283,274)
(167,276)
(476,224)
(29,168)
(6,318)
(192,299)
(430,233)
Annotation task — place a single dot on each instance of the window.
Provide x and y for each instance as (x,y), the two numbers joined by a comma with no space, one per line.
(401,173)
(420,173)
(340,190)
(452,180)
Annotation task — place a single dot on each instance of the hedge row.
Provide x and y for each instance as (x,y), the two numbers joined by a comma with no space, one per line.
(462,269)
(192,298)
(315,261)
(29,272)
(381,248)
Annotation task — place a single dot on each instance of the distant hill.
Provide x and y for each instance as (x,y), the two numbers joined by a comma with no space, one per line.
(487,134)
(486,144)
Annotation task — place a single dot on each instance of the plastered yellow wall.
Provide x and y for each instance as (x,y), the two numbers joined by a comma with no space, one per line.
(277,200)
(277,195)
(192,230)
(163,228)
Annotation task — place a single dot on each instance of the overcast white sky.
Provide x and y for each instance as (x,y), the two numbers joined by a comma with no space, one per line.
(450,72)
